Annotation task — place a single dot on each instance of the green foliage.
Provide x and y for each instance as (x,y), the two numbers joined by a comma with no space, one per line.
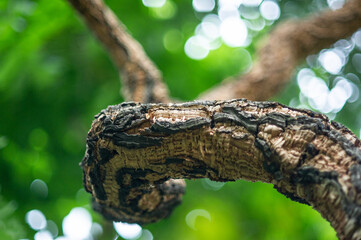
(10,226)
(55,76)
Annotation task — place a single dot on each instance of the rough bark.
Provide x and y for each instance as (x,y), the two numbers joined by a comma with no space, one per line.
(142,81)
(286,47)
(132,149)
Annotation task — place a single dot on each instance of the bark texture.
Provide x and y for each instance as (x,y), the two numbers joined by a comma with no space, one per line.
(142,81)
(137,154)
(286,47)
(133,149)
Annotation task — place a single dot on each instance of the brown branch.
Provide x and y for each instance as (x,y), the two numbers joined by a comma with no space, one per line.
(287,46)
(133,148)
(142,80)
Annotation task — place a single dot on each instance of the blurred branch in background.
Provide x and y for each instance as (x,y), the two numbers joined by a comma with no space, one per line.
(142,81)
(287,45)
(55,76)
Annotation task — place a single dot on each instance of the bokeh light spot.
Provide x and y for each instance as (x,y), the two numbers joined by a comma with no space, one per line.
(19,24)
(346,46)
(127,231)
(52,228)
(43,235)
(357,38)
(251,2)
(154,3)
(167,11)
(249,12)
(39,188)
(234,32)
(209,184)
(36,219)
(146,235)
(210,26)
(228,11)
(196,48)
(203,5)
(96,230)
(335,4)
(172,40)
(77,223)
(256,24)
(356,62)
(194,214)
(270,10)
(332,61)
(320,97)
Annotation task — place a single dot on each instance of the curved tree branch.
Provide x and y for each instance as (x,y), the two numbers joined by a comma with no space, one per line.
(288,45)
(142,81)
(133,148)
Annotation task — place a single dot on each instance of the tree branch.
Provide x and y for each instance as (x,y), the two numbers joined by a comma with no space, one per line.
(287,46)
(133,148)
(142,81)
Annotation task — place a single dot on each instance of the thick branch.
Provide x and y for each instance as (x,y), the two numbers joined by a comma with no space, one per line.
(142,80)
(286,47)
(133,148)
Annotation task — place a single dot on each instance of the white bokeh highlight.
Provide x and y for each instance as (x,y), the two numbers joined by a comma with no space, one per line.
(127,231)
(154,3)
(228,11)
(210,26)
(36,219)
(196,47)
(234,3)
(43,235)
(251,2)
(335,4)
(234,32)
(77,224)
(249,12)
(270,10)
(203,5)
(332,60)
(320,97)
(357,38)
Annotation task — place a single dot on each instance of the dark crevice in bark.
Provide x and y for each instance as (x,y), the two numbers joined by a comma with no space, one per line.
(308,158)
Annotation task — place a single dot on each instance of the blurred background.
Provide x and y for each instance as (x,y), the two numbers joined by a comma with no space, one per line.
(55,76)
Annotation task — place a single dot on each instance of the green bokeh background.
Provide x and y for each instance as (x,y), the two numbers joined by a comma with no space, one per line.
(55,76)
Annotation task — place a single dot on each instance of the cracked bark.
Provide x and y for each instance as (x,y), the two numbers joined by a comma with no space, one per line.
(132,149)
(142,81)
(286,47)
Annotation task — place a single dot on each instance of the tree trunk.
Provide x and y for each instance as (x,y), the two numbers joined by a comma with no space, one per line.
(134,149)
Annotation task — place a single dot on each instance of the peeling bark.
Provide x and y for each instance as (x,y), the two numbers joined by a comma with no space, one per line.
(142,81)
(133,149)
(287,45)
